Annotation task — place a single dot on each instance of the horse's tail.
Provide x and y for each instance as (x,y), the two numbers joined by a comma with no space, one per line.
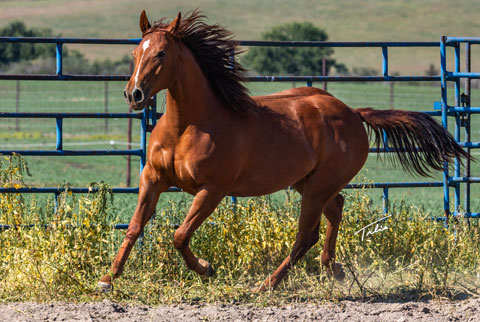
(419,141)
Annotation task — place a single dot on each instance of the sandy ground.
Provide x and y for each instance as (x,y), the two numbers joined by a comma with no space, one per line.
(467,310)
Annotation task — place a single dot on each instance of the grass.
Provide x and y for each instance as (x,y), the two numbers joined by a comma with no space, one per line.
(411,255)
(343,20)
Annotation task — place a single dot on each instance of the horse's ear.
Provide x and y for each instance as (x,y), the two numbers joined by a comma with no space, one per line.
(144,24)
(175,24)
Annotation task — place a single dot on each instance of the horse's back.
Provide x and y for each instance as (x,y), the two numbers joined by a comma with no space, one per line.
(292,93)
(310,106)
(307,103)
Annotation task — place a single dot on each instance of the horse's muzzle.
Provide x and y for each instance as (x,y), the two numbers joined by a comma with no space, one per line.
(136,99)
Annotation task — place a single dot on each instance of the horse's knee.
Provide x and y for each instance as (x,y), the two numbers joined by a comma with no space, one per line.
(337,204)
(334,210)
(300,247)
(133,232)
(180,239)
(314,237)
(340,201)
(313,241)
(336,219)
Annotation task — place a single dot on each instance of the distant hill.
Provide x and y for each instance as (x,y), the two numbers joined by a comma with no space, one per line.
(344,20)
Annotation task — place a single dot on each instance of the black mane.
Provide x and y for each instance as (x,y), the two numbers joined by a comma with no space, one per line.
(214,49)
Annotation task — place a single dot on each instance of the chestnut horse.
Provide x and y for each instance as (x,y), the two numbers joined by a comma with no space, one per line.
(215,140)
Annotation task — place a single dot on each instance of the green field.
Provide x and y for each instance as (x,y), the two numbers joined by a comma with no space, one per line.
(343,20)
(92,134)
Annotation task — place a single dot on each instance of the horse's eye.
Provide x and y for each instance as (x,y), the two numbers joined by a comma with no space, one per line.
(161,54)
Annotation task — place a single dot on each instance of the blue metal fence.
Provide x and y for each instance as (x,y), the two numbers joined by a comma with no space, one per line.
(462,115)
(149,116)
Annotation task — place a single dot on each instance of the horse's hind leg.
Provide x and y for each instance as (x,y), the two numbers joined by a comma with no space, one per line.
(333,213)
(314,201)
(203,205)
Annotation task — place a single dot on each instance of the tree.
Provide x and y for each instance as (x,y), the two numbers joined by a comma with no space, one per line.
(15,52)
(292,60)
(432,70)
(39,58)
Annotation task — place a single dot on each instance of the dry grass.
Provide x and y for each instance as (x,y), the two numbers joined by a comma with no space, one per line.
(413,255)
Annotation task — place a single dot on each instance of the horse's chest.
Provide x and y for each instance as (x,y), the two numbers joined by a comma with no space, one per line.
(192,164)
(185,169)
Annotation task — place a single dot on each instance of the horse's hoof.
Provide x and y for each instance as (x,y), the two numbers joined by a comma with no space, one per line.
(268,285)
(261,289)
(104,287)
(338,272)
(210,271)
(258,290)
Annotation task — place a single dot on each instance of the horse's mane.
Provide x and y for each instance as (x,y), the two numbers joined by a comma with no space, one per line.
(214,49)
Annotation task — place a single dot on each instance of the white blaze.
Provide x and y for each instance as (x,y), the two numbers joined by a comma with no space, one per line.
(146,44)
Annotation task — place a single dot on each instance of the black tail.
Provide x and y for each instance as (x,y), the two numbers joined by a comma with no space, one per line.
(419,141)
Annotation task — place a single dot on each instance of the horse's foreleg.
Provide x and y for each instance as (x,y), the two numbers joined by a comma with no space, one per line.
(203,205)
(333,213)
(150,188)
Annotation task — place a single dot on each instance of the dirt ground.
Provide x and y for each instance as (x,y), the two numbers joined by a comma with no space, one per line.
(466,310)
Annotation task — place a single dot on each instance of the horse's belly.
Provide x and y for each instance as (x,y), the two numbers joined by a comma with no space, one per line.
(268,177)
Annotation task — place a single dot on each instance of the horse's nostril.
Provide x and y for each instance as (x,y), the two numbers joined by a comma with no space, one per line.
(125,95)
(137,95)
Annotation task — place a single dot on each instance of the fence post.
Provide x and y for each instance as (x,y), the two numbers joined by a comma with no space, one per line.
(443,83)
(457,129)
(17,107)
(59,55)
(392,95)
(385,200)
(105,104)
(55,209)
(385,61)
(143,138)
(324,72)
(59,144)
(129,140)
(467,125)
(129,146)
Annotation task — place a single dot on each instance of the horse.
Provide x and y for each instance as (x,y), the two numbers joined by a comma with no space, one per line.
(215,140)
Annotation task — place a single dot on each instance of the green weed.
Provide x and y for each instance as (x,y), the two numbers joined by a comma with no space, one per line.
(60,254)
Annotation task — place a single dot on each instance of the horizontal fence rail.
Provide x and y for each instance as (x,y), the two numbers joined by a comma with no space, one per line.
(383,45)
(149,116)
(74,115)
(61,77)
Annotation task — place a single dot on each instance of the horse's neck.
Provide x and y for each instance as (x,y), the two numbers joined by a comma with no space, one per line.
(190,99)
